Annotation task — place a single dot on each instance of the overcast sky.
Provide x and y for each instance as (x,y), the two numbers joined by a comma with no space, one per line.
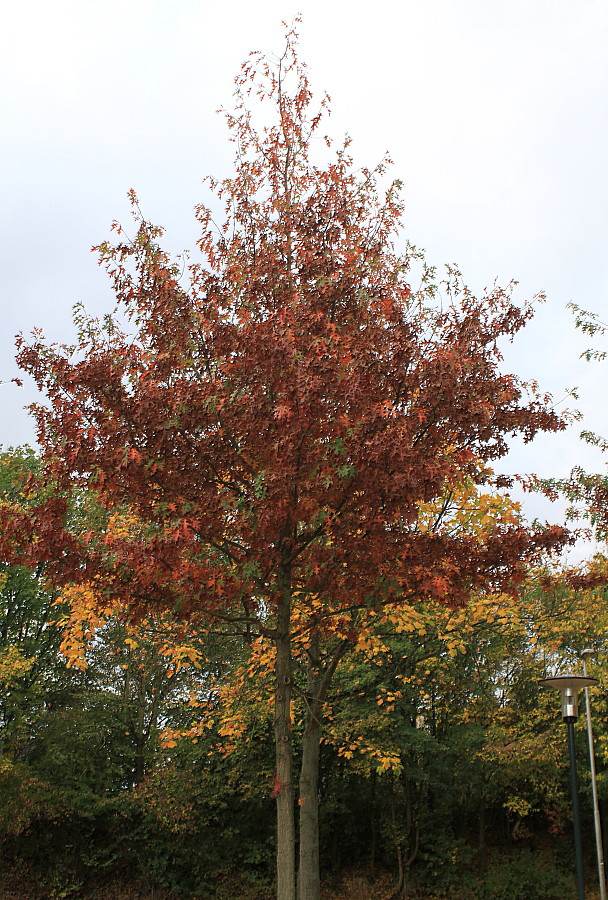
(495,114)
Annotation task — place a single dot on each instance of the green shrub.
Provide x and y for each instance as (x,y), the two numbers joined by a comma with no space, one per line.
(523,875)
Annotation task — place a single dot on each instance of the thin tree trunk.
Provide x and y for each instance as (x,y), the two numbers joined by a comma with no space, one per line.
(309,884)
(604,818)
(283,789)
(373,828)
(140,766)
(318,682)
(482,846)
(140,733)
(398,892)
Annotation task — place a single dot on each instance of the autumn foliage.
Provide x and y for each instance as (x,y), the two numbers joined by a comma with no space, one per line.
(277,418)
(289,400)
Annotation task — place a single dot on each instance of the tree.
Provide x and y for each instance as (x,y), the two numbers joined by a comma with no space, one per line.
(587,492)
(274,416)
(32,675)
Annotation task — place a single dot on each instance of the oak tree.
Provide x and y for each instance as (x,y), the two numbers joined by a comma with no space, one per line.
(275,414)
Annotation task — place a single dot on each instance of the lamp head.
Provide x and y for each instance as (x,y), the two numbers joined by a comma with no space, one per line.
(568,686)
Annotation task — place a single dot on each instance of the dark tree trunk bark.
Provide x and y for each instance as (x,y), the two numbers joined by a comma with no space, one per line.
(283,789)
(318,682)
(411,852)
(604,817)
(483,847)
(309,883)
(373,828)
(406,853)
(140,766)
(140,735)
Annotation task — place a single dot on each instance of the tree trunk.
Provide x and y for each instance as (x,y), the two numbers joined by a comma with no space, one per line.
(140,732)
(604,818)
(410,851)
(482,846)
(373,828)
(283,789)
(140,766)
(309,884)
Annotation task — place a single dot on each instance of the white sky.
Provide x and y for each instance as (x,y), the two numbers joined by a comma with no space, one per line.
(495,114)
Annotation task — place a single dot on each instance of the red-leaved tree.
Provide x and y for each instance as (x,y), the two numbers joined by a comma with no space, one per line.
(274,416)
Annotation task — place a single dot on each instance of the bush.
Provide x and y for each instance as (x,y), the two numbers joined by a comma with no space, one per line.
(447,865)
(525,874)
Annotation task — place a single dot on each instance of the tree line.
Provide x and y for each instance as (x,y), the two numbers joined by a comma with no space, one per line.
(129,750)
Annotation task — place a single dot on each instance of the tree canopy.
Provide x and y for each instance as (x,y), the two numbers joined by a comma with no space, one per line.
(284,424)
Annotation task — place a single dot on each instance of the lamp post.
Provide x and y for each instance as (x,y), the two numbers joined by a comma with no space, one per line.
(569,686)
(596,808)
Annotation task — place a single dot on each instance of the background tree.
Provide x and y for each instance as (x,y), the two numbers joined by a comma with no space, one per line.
(586,491)
(437,748)
(33,676)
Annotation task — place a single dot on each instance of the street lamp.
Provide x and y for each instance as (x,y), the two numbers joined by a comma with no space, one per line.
(569,686)
(596,808)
